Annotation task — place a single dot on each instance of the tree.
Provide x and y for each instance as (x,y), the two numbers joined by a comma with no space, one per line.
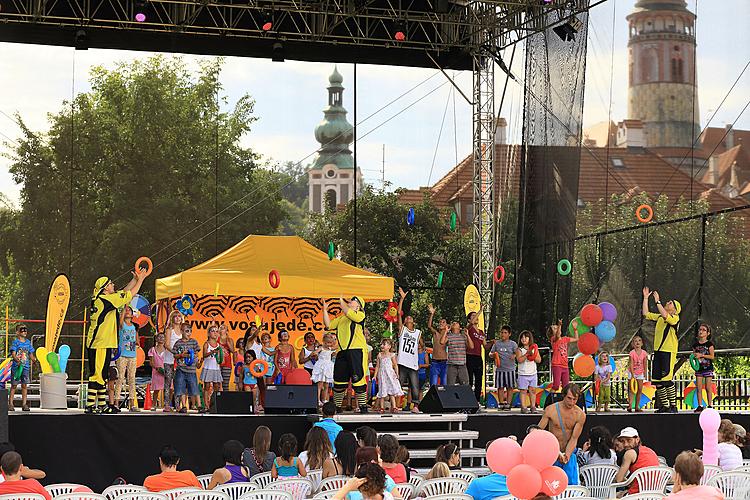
(148,162)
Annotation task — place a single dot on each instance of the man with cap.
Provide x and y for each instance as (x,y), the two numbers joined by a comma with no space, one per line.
(665,349)
(633,455)
(102,337)
(351,359)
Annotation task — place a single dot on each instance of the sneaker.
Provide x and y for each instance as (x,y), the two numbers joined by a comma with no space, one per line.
(672,409)
(698,410)
(663,409)
(110,410)
(134,409)
(416,409)
(363,409)
(11,408)
(525,410)
(25,408)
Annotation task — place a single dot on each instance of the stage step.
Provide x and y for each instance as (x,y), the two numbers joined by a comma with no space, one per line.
(432,435)
(412,418)
(465,453)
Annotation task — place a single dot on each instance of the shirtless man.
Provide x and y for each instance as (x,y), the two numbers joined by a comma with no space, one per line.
(565,420)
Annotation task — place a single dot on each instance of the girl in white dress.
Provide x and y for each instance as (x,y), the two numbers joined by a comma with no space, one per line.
(386,375)
(322,373)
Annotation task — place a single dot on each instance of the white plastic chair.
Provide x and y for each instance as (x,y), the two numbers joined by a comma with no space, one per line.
(573,492)
(235,490)
(80,496)
(176,492)
(709,471)
(662,461)
(142,495)
(267,495)
(300,488)
(598,478)
(406,490)
(464,474)
(114,491)
(203,495)
(442,486)
(316,476)
(325,495)
(61,488)
(645,496)
(334,483)
(22,496)
(416,480)
(204,479)
(649,480)
(452,496)
(746,462)
(262,479)
(734,485)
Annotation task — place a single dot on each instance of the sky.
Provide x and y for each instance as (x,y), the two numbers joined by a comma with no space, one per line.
(424,132)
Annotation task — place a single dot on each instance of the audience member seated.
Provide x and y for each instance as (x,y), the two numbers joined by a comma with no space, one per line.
(259,458)
(329,424)
(26,473)
(688,471)
(403,457)
(11,466)
(388,445)
(730,455)
(344,463)
(488,487)
(440,469)
(598,449)
(741,435)
(233,470)
(367,436)
(635,455)
(287,464)
(369,481)
(317,449)
(170,477)
(366,455)
(450,454)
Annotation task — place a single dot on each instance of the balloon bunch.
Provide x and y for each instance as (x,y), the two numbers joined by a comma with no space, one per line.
(600,317)
(52,362)
(529,467)
(709,422)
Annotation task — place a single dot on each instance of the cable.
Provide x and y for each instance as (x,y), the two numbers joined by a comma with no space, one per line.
(440,134)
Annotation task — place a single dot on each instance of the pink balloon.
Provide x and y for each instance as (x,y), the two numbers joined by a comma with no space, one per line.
(554,481)
(709,420)
(540,449)
(524,481)
(503,455)
(82,489)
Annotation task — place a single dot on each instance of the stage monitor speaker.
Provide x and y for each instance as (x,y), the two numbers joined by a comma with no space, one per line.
(3,415)
(232,403)
(449,399)
(291,399)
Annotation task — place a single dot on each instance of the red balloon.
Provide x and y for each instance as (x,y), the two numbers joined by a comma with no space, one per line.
(524,481)
(554,481)
(503,454)
(588,343)
(540,449)
(298,376)
(583,366)
(591,315)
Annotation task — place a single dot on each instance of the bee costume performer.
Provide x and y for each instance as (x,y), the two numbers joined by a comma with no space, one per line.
(666,343)
(351,359)
(102,335)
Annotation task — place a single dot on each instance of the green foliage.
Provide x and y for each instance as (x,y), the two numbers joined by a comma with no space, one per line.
(140,168)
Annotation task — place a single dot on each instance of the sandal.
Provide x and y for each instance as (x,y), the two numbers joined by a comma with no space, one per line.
(182,410)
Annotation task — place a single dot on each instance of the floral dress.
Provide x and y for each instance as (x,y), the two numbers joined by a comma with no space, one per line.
(388,384)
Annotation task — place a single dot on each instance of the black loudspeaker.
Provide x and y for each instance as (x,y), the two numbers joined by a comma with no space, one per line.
(232,403)
(291,399)
(3,415)
(449,399)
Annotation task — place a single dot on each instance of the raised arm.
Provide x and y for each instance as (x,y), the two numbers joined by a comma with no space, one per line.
(431,308)
(469,340)
(646,295)
(663,312)
(326,319)
(402,293)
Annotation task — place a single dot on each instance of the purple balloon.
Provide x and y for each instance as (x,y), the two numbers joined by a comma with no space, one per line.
(609,312)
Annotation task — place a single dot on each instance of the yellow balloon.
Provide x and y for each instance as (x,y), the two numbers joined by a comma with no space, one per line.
(41,355)
(257,321)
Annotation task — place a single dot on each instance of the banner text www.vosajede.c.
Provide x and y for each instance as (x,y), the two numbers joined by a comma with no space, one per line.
(272,327)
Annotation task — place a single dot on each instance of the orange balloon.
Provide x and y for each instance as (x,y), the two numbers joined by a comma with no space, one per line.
(583,366)
(140,356)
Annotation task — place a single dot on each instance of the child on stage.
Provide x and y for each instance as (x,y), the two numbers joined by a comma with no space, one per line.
(637,369)
(322,373)
(186,354)
(386,376)
(703,350)
(213,356)
(156,359)
(560,370)
(22,352)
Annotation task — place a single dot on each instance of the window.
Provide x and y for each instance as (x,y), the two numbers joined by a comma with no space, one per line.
(676,67)
(330,173)
(469,212)
(618,163)
(344,176)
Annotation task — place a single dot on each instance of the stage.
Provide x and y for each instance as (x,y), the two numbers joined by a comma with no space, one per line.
(95,449)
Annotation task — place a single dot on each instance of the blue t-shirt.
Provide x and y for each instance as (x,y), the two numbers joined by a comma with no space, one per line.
(25,347)
(332,428)
(488,487)
(247,378)
(420,359)
(356,495)
(127,341)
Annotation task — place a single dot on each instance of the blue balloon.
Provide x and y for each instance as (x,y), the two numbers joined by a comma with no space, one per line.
(410,217)
(64,354)
(605,331)
(190,358)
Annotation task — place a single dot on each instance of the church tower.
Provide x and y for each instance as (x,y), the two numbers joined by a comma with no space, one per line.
(331,177)
(662,90)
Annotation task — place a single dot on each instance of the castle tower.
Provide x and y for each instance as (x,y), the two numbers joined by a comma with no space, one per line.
(331,176)
(662,89)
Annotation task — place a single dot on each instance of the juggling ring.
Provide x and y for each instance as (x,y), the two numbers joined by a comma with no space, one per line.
(532,352)
(149,265)
(258,368)
(499,274)
(695,363)
(564,267)
(648,217)
(273,279)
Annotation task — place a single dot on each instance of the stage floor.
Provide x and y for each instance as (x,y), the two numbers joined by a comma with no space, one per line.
(95,449)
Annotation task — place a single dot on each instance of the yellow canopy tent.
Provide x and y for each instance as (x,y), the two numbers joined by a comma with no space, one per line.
(304,271)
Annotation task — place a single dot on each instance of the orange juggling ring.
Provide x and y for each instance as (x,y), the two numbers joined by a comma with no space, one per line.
(499,274)
(273,278)
(258,368)
(648,209)
(147,261)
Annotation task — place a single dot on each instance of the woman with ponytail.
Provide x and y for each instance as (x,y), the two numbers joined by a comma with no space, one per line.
(598,450)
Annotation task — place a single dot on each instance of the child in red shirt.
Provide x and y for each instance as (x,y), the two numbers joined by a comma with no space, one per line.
(560,370)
